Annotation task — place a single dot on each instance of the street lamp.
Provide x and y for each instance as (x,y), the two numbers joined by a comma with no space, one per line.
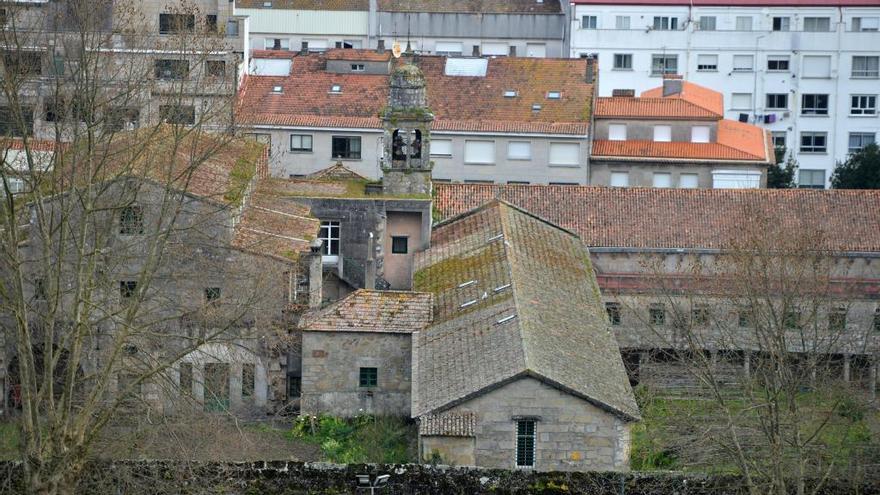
(364,483)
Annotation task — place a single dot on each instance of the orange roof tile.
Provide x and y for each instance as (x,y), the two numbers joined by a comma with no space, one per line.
(650,108)
(361,55)
(701,96)
(849,220)
(671,150)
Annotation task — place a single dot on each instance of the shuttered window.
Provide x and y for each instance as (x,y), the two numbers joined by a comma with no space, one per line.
(816,66)
(564,154)
(480,152)
(700,134)
(441,147)
(662,133)
(617,132)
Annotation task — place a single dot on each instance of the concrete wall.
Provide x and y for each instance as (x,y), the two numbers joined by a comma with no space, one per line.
(572,434)
(641,174)
(331,364)
(644,129)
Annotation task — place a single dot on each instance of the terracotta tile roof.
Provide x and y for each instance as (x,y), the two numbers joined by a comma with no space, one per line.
(746,138)
(448,424)
(359,55)
(650,150)
(681,218)
(360,5)
(652,108)
(475,6)
(372,311)
(474,104)
(514,296)
(736,3)
(7,143)
(336,172)
(713,101)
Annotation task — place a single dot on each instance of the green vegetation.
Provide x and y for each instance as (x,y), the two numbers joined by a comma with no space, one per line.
(239,178)
(861,170)
(364,439)
(9,436)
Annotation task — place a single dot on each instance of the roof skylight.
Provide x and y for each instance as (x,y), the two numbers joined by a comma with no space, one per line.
(466,67)
(510,93)
(277,89)
(505,319)
(554,95)
(536,107)
(466,284)
(469,303)
(336,88)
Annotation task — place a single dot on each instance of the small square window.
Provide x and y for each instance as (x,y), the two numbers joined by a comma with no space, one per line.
(777,101)
(369,377)
(657,314)
(613,310)
(301,143)
(811,179)
(623,61)
(399,244)
(212,295)
(127,289)
(358,68)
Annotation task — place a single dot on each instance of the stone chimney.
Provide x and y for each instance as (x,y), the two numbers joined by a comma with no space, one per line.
(589,75)
(380,46)
(316,275)
(671,84)
(304,49)
(476,51)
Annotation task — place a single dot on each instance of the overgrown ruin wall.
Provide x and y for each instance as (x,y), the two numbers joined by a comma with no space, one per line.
(295,478)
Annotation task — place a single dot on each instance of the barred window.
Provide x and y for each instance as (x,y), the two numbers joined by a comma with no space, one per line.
(525,444)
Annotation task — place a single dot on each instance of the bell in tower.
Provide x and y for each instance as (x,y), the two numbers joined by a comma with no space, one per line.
(406,164)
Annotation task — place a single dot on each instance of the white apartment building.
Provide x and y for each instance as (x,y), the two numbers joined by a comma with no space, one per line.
(807,71)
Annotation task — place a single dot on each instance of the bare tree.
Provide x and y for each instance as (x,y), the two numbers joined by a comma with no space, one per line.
(116,251)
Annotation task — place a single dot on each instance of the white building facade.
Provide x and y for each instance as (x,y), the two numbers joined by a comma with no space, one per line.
(809,74)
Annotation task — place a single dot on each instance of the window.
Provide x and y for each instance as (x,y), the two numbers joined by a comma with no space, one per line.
(700,315)
(176,23)
(777,63)
(662,179)
(817,24)
(525,443)
(740,101)
(814,142)
(863,105)
(664,64)
(777,101)
(399,244)
(707,62)
(781,23)
(619,179)
(358,67)
(617,132)
(277,44)
(510,93)
(743,63)
(294,386)
(565,154)
(369,377)
(171,69)
(657,314)
(613,310)
(441,147)
(791,318)
(479,152)
(232,28)
(664,23)
(858,140)
(178,114)
(662,133)
(247,380)
(495,49)
(623,61)
(814,104)
(778,139)
(837,320)
(329,235)
(865,23)
(301,143)
(519,150)
(347,147)
(621,22)
(811,179)
(700,134)
(186,379)
(744,318)
(131,220)
(211,23)
(877,320)
(336,88)
(554,95)
(121,118)
(864,66)
(688,181)
(536,50)
(743,23)
(127,289)
(816,66)
(453,48)
(589,22)
(23,63)
(215,68)
(707,23)
(212,295)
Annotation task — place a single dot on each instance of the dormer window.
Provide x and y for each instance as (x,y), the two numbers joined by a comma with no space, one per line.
(536,107)
(510,93)
(277,89)
(553,95)
(357,67)
(336,88)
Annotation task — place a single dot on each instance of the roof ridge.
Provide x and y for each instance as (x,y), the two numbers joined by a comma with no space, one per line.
(503,208)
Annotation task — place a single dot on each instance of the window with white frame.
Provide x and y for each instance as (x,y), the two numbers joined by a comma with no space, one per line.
(479,152)
(623,61)
(863,105)
(662,179)
(781,23)
(811,179)
(662,133)
(441,147)
(519,150)
(664,64)
(865,23)
(814,104)
(858,140)
(317,45)
(814,142)
(700,134)
(707,62)
(743,23)
(866,66)
(526,438)
(740,101)
(778,63)
(777,101)
(743,63)
(617,132)
(621,22)
(665,23)
(816,66)
(566,154)
(453,48)
(301,143)
(817,24)
(688,181)
(707,23)
(779,140)
(329,235)
(619,179)
(589,22)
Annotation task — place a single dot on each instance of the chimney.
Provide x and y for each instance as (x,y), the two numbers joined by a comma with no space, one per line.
(512,51)
(476,51)
(590,73)
(304,50)
(380,46)
(624,93)
(671,84)
(316,278)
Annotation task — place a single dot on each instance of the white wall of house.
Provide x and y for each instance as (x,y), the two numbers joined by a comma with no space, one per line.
(730,46)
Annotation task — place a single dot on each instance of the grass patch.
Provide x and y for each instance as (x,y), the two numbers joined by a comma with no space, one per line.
(364,439)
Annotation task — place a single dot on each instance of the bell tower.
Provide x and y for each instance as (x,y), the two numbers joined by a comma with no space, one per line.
(406,159)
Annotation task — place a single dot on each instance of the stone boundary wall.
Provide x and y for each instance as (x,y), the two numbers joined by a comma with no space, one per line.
(295,478)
